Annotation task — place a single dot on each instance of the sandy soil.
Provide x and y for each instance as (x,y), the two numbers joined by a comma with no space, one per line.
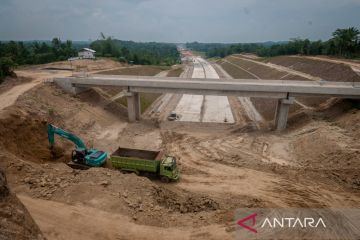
(223,167)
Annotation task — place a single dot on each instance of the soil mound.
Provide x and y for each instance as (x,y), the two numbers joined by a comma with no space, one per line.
(26,138)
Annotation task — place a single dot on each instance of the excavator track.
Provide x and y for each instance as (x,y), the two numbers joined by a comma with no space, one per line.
(78,166)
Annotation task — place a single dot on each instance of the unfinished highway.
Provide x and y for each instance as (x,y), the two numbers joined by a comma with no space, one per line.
(204,108)
(193,104)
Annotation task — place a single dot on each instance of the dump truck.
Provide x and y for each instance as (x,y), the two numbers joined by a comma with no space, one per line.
(145,162)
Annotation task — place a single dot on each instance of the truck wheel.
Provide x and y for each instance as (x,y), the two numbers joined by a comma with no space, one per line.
(165,179)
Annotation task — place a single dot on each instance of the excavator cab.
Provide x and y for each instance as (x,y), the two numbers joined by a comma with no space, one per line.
(78,155)
(90,157)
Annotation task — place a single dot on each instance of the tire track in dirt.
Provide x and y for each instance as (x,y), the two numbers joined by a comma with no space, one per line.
(218,166)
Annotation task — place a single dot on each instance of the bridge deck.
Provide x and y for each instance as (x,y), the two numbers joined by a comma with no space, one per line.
(243,87)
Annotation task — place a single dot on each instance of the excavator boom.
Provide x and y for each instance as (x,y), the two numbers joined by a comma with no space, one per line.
(52,130)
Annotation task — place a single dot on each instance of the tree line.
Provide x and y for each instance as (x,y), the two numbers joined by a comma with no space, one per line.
(344,43)
(13,53)
(149,53)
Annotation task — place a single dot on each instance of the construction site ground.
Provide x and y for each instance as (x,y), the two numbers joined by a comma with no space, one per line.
(314,163)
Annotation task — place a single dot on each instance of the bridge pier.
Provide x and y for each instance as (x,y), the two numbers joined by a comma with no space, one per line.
(133,106)
(282,112)
(69,87)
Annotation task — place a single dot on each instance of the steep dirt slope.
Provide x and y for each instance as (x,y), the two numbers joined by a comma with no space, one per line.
(15,220)
(289,68)
(326,70)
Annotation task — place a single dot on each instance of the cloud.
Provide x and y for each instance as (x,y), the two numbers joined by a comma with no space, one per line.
(176,20)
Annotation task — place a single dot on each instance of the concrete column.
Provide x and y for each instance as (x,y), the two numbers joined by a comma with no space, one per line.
(133,105)
(282,111)
(78,90)
(68,87)
(137,106)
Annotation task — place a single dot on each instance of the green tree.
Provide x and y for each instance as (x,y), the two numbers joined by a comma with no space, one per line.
(6,67)
(346,40)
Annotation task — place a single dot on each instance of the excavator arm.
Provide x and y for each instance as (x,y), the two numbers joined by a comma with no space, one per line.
(52,130)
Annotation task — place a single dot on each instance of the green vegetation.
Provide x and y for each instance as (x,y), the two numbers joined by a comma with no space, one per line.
(6,67)
(344,43)
(19,53)
(146,99)
(14,54)
(175,72)
(147,70)
(149,53)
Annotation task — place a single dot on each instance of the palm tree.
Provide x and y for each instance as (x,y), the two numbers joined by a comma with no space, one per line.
(346,40)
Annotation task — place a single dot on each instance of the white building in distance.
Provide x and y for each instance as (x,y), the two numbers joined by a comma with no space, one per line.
(87,53)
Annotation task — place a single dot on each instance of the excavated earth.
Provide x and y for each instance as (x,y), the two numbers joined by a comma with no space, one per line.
(314,163)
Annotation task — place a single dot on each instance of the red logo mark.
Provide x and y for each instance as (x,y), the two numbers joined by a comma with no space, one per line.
(241,222)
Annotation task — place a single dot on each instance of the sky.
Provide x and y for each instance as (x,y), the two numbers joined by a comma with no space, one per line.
(177,21)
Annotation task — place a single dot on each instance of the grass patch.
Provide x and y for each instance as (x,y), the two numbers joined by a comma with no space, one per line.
(176,72)
(145,70)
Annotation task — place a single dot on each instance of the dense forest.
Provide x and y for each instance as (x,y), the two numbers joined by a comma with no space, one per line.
(13,53)
(150,53)
(344,43)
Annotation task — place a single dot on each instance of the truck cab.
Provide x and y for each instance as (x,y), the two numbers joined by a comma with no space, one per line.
(168,169)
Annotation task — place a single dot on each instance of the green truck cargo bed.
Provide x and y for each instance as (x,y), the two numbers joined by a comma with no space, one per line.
(136,160)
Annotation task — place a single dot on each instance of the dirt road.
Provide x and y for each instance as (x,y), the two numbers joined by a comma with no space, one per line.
(9,97)
(64,222)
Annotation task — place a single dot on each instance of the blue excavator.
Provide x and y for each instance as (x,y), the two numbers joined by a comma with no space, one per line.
(81,156)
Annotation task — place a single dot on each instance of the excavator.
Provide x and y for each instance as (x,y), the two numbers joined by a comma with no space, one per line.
(82,157)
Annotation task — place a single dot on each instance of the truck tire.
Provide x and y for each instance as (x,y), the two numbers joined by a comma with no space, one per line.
(165,179)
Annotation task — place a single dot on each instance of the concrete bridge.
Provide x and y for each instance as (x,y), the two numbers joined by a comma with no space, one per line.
(283,90)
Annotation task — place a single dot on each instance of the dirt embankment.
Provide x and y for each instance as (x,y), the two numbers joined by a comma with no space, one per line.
(146,99)
(240,67)
(326,70)
(15,220)
(77,65)
(25,137)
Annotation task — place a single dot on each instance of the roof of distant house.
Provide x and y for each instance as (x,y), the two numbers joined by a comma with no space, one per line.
(87,50)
